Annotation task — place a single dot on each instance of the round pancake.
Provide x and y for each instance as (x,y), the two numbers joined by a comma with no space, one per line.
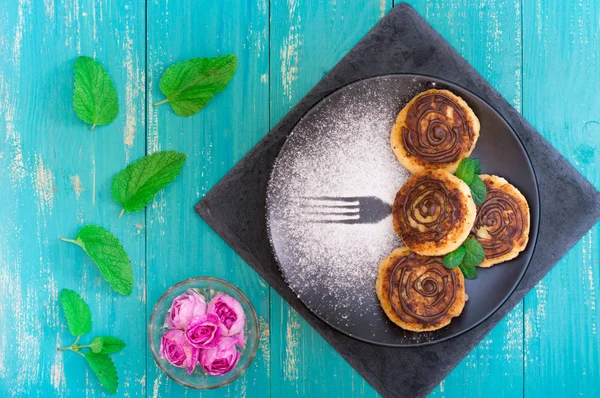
(433,213)
(435,130)
(417,292)
(502,222)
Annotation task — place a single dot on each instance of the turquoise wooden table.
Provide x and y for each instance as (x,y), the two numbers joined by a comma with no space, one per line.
(55,173)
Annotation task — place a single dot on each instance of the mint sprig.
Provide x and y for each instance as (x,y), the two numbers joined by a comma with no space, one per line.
(94,94)
(191,84)
(108,254)
(79,320)
(136,185)
(77,312)
(468,170)
(468,255)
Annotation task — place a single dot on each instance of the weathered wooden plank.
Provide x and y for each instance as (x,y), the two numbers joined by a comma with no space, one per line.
(561,76)
(307,39)
(180,245)
(55,177)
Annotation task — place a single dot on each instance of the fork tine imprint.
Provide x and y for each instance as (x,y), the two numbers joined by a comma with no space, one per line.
(324,209)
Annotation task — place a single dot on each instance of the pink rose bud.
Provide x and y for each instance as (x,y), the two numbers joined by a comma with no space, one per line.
(203,331)
(175,348)
(220,359)
(184,308)
(230,313)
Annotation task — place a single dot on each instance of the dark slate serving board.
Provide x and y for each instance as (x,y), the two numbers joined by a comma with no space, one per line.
(402,42)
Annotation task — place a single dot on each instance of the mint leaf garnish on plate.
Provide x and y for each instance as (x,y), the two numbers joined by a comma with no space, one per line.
(474,253)
(77,312)
(468,271)
(104,368)
(468,170)
(468,255)
(136,185)
(453,259)
(478,190)
(94,96)
(191,84)
(108,254)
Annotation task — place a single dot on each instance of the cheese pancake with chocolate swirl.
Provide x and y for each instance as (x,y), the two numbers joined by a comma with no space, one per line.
(502,222)
(435,130)
(433,213)
(417,292)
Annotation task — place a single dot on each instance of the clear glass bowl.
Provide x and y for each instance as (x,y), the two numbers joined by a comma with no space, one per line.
(208,287)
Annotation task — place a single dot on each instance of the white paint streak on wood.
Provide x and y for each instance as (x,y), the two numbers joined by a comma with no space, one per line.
(290,365)
(157,384)
(513,338)
(93,161)
(49,8)
(589,282)
(18,38)
(57,371)
(44,186)
(72,26)
(382,8)
(13,136)
(133,88)
(290,49)
(265,343)
(541,294)
(28,344)
(77,186)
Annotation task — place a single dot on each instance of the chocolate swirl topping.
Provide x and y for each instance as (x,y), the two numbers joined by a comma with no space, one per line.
(499,224)
(438,129)
(422,288)
(429,204)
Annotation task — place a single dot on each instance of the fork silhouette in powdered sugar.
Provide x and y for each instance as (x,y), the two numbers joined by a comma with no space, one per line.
(345,210)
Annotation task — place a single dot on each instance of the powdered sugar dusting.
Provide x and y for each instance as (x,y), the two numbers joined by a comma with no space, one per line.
(339,149)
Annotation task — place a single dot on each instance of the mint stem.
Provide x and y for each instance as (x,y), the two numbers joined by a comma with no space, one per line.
(161,102)
(71,241)
(121,213)
(93,126)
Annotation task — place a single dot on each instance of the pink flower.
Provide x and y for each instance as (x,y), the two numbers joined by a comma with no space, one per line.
(203,331)
(184,308)
(230,313)
(220,359)
(178,351)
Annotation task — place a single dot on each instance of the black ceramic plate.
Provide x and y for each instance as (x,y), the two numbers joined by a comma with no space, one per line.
(339,154)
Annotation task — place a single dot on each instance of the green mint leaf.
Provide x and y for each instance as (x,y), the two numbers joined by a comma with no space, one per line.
(468,270)
(77,312)
(136,185)
(94,96)
(474,254)
(478,190)
(106,345)
(476,166)
(453,259)
(466,170)
(104,368)
(191,84)
(108,254)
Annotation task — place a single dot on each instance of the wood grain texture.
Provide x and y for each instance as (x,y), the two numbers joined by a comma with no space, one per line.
(179,244)
(560,80)
(55,177)
(307,39)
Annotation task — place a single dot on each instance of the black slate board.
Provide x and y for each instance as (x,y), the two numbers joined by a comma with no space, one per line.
(402,42)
